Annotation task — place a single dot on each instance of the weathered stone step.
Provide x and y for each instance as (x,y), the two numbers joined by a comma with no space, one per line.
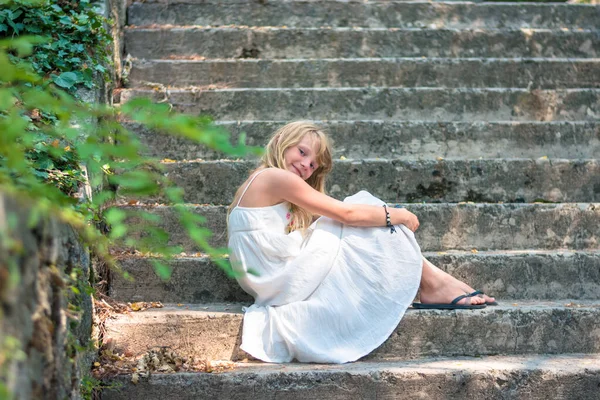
(402,181)
(424,104)
(410,139)
(505,274)
(245,42)
(354,1)
(453,226)
(492,378)
(372,14)
(401,72)
(524,327)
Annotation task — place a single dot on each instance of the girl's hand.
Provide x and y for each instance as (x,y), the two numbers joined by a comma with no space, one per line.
(409,219)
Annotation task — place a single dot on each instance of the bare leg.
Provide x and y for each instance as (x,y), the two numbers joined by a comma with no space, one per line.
(438,286)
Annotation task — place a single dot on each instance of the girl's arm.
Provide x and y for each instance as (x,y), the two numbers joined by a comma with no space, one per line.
(290,187)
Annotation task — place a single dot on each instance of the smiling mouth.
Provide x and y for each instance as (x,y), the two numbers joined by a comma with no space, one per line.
(297,170)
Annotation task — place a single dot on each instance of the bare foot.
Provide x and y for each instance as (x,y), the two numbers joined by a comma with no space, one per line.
(438,286)
(469,289)
(447,292)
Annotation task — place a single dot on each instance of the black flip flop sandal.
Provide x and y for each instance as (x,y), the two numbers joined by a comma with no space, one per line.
(451,306)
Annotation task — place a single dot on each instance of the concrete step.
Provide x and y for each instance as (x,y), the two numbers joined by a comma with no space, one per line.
(540,73)
(541,327)
(516,275)
(569,376)
(424,104)
(401,181)
(372,14)
(409,139)
(267,42)
(450,226)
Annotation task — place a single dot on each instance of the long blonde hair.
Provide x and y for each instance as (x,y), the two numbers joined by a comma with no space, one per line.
(284,138)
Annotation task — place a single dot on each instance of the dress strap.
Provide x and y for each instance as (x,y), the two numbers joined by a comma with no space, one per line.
(248,185)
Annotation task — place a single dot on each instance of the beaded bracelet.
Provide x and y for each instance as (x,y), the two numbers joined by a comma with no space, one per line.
(388,221)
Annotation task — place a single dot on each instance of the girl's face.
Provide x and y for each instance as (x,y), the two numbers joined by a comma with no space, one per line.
(301,159)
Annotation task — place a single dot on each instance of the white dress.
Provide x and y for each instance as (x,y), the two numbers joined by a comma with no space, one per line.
(332,297)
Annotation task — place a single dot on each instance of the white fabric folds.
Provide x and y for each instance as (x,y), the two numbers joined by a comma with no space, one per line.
(330,298)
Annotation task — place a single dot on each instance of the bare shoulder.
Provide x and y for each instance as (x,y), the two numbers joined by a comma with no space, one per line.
(277,177)
(276,173)
(265,189)
(267,175)
(281,184)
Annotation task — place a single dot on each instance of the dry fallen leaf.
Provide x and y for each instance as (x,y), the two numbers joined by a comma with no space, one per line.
(162,360)
(143,305)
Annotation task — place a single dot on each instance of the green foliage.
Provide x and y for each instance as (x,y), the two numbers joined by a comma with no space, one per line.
(73,53)
(34,152)
(4,392)
(10,249)
(78,44)
(10,351)
(91,386)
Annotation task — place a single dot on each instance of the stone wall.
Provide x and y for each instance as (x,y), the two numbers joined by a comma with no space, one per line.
(45,309)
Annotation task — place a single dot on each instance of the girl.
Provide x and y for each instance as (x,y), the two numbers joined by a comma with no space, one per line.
(334,289)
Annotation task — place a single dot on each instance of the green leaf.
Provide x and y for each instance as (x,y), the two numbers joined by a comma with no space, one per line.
(66,80)
(45,164)
(23,45)
(16,14)
(4,392)
(136,182)
(7,99)
(118,231)
(147,216)
(161,269)
(102,197)
(114,215)
(34,217)
(174,194)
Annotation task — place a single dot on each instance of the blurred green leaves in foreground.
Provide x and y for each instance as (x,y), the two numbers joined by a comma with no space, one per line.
(52,144)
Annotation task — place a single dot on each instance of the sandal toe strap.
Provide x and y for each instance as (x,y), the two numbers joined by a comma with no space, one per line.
(459,298)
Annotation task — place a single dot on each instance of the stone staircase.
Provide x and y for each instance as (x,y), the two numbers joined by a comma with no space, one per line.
(482,118)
